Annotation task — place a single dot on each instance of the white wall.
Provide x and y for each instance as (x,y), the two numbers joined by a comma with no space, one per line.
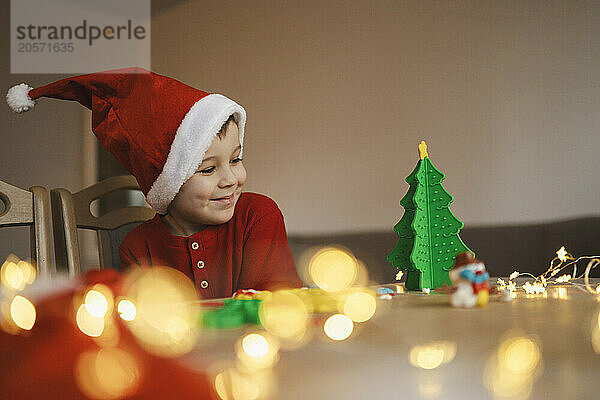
(339,94)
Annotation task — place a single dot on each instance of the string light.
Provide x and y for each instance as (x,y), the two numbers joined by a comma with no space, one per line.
(562,261)
(563,278)
(534,288)
(562,254)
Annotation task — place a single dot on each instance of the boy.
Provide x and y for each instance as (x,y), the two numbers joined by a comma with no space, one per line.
(184,147)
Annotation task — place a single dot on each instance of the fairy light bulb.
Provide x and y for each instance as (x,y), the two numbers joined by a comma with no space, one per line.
(255,345)
(96,303)
(338,327)
(22,312)
(360,306)
(333,269)
(126,310)
(88,323)
(562,254)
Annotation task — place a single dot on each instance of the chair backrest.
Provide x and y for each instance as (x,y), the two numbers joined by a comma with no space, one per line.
(71,211)
(29,208)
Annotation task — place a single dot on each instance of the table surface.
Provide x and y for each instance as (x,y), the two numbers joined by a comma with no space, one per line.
(374,363)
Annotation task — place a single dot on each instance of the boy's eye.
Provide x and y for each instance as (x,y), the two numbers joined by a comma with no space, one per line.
(210,170)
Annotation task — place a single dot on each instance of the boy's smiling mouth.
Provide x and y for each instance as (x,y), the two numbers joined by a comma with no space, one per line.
(227,200)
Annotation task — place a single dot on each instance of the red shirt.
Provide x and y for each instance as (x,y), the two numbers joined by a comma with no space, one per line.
(250,251)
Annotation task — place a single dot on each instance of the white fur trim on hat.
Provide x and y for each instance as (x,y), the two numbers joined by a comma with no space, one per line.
(193,137)
(18,99)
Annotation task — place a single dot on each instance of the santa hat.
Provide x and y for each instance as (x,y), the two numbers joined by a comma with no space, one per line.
(157,127)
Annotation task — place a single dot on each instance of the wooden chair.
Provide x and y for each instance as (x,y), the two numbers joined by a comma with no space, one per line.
(71,211)
(29,208)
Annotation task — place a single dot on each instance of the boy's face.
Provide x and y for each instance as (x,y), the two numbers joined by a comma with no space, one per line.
(210,195)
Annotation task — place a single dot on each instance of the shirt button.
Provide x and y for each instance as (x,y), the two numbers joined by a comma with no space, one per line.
(200,264)
(204,284)
(195,246)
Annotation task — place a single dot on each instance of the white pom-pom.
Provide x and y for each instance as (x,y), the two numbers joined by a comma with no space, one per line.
(18,99)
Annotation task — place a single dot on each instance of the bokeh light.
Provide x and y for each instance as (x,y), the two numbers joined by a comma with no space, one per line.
(513,368)
(96,303)
(12,276)
(362,274)
(432,355)
(28,270)
(255,345)
(15,274)
(88,323)
(233,385)
(165,322)
(333,269)
(109,373)
(430,386)
(317,300)
(519,356)
(22,312)
(258,350)
(338,327)
(426,357)
(360,306)
(110,334)
(560,293)
(284,315)
(596,333)
(126,310)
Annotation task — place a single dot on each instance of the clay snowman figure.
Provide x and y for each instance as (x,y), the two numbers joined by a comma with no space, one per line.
(469,277)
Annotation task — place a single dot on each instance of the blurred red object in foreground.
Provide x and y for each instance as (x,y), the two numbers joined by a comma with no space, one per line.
(46,362)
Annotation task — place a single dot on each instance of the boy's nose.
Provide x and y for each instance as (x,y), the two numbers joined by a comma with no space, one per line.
(228,178)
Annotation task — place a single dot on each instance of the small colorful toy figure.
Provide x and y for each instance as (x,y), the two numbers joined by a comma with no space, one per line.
(469,277)
(385,293)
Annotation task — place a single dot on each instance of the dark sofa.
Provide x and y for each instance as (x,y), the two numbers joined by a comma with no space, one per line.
(527,248)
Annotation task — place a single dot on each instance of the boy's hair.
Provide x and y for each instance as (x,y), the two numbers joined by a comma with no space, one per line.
(221,133)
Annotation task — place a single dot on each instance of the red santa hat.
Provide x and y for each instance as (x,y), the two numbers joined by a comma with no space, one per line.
(157,127)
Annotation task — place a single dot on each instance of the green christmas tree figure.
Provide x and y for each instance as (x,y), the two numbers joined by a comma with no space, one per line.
(428,238)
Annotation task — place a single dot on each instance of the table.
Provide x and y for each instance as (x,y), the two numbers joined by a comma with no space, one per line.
(374,363)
